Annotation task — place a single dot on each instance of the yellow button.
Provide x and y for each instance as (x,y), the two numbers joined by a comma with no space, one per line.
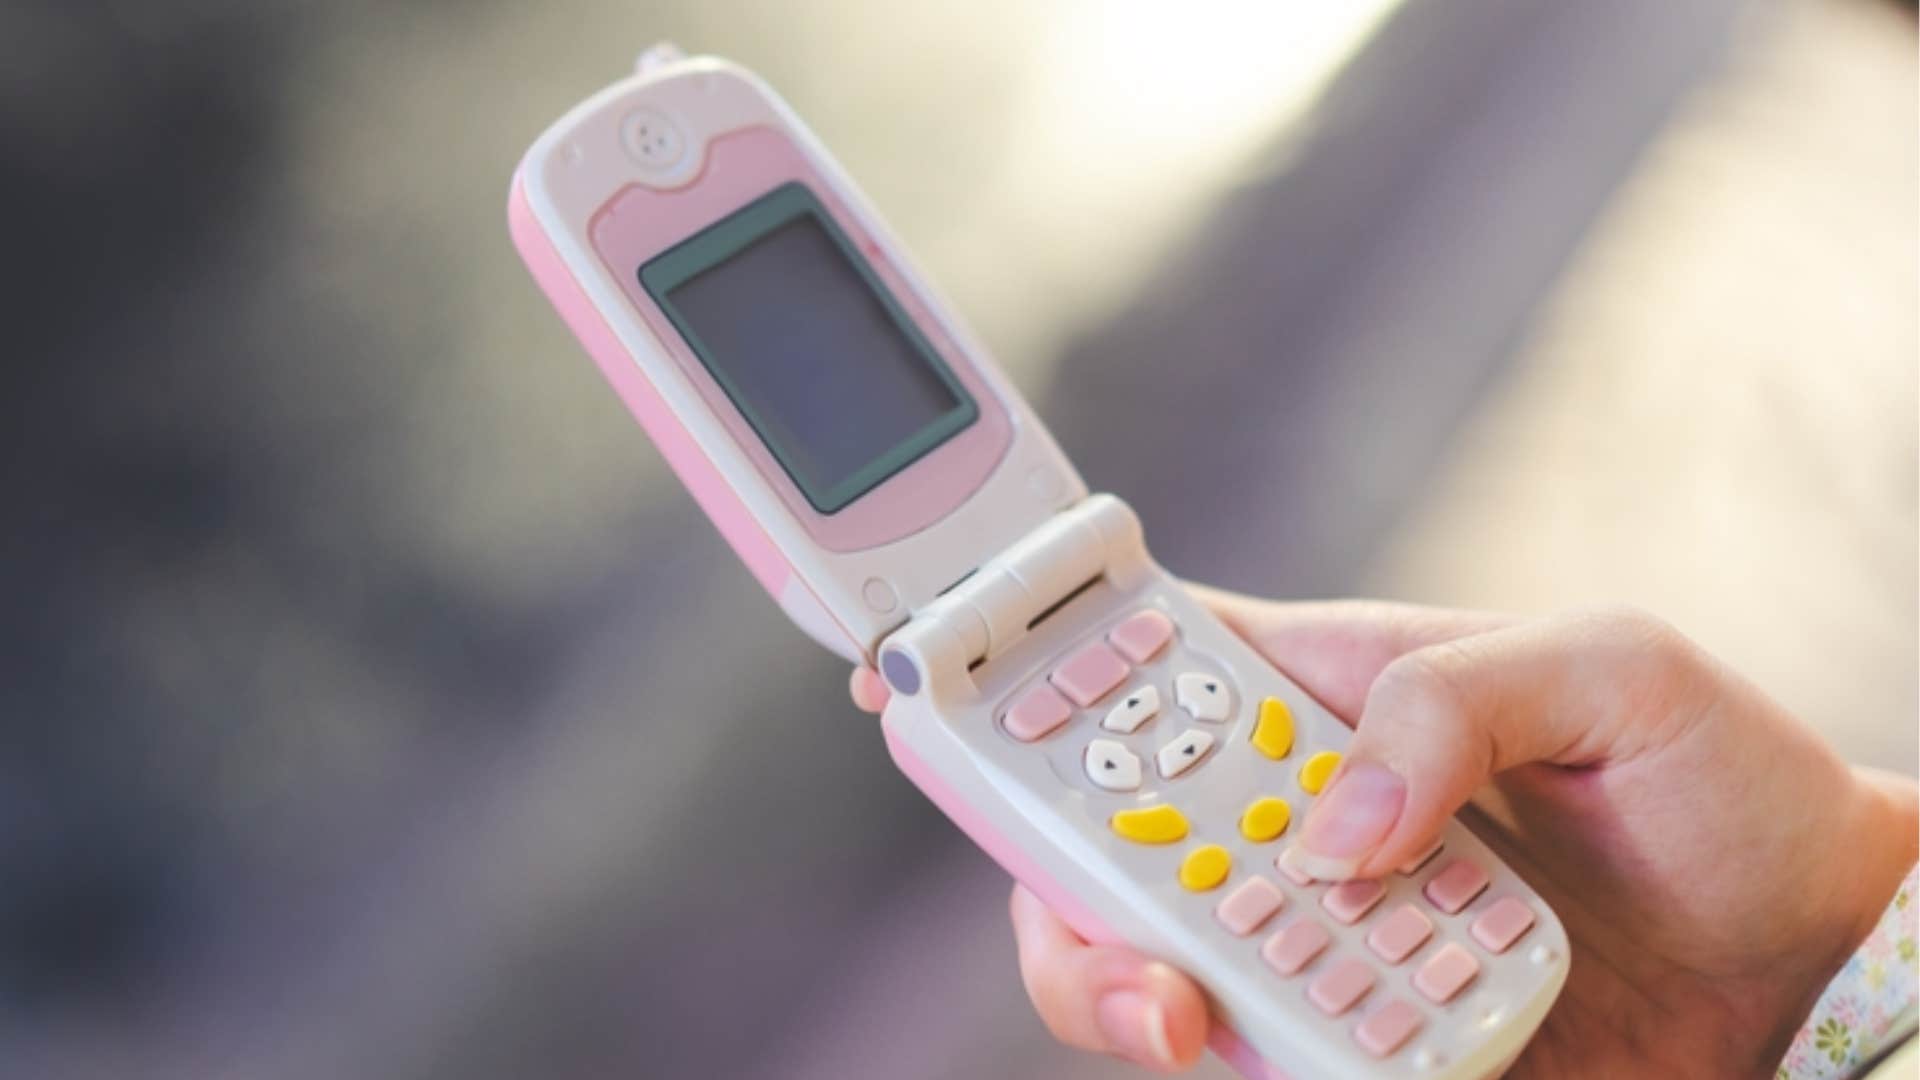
(1151,824)
(1265,819)
(1273,732)
(1205,867)
(1318,769)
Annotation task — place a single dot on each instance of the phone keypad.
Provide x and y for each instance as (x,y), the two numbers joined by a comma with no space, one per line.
(1318,770)
(1139,706)
(1150,825)
(1090,674)
(1405,955)
(1265,819)
(1204,697)
(1205,868)
(1182,752)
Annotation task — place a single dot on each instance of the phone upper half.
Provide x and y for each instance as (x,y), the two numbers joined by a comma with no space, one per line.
(784,346)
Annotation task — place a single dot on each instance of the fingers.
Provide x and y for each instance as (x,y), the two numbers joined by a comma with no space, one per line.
(1335,649)
(1440,721)
(1106,998)
(868,690)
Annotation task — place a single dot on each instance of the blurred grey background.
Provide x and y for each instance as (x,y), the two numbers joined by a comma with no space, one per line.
(373,699)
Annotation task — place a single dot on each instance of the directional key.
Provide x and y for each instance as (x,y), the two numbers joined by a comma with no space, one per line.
(1139,706)
(1112,766)
(1183,753)
(1203,696)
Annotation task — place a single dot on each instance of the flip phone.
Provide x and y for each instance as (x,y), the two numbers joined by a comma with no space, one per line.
(1054,691)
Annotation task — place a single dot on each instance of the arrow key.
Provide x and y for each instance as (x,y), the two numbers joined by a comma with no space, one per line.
(1183,753)
(1204,697)
(1112,766)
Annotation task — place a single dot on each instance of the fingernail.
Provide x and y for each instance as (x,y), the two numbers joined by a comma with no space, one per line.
(1351,819)
(1135,1025)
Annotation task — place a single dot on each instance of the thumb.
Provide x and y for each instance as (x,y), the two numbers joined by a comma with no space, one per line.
(1441,721)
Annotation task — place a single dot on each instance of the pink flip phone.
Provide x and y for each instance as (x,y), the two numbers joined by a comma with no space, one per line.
(1055,692)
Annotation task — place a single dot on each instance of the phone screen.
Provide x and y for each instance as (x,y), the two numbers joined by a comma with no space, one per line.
(809,345)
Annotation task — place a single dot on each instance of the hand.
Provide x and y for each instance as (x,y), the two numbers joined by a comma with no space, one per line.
(1713,859)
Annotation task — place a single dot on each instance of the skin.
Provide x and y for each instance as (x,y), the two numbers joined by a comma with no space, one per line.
(1713,859)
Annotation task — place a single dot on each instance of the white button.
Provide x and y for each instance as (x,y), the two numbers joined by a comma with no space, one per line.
(1112,766)
(1203,696)
(879,595)
(1138,707)
(1183,753)
(653,141)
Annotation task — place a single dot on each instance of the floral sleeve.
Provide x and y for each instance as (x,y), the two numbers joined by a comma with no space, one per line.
(1869,1004)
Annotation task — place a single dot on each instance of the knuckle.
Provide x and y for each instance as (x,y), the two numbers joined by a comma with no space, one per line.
(1427,693)
(1656,670)
(1634,634)
(1426,680)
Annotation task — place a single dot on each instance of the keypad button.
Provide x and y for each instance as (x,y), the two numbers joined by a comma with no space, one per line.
(1183,753)
(1387,1029)
(1350,901)
(1142,635)
(1141,704)
(1205,868)
(1204,697)
(1446,973)
(1455,886)
(1036,714)
(1337,989)
(1112,766)
(1293,948)
(1150,824)
(1246,907)
(1412,866)
(1273,730)
(1265,819)
(1090,674)
(1289,864)
(1400,934)
(1318,770)
(1502,924)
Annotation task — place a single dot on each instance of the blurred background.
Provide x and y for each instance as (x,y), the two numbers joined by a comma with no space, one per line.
(360,708)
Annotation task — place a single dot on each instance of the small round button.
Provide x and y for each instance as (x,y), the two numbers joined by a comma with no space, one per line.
(651,139)
(879,595)
(900,671)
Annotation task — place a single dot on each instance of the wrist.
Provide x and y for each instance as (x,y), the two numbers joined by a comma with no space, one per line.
(1871,855)
(1860,1003)
(1886,843)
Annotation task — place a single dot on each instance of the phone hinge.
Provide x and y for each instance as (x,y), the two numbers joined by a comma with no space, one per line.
(992,609)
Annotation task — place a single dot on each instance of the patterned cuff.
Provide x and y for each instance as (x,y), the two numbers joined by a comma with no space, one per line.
(1869,1004)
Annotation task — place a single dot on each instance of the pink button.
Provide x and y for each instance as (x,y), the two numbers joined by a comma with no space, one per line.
(1455,886)
(1350,900)
(1388,1029)
(1038,712)
(1248,906)
(1295,947)
(1395,937)
(1502,923)
(1142,635)
(1090,673)
(1446,973)
(1335,992)
(1289,864)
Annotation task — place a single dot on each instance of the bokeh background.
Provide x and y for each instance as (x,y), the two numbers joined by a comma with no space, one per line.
(376,705)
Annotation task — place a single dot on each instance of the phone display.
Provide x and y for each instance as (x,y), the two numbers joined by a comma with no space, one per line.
(809,346)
